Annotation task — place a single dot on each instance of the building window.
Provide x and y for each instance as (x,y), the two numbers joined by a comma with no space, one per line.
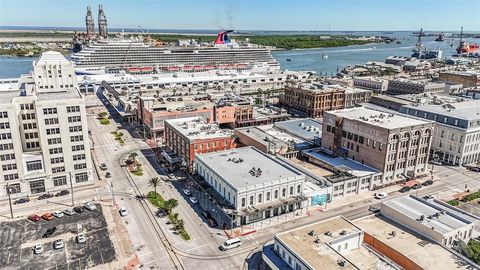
(291,191)
(81,177)
(251,200)
(37,186)
(34,165)
(243,202)
(284,192)
(60,181)
(299,189)
(8,177)
(268,196)
(80,166)
(275,194)
(259,198)
(58,169)
(50,111)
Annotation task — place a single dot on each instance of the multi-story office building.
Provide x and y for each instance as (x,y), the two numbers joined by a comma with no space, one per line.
(254,185)
(457,130)
(194,135)
(311,100)
(376,85)
(405,86)
(44,145)
(396,145)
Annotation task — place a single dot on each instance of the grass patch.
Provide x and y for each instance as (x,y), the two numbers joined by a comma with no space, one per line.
(454,202)
(118,137)
(138,171)
(157,200)
(104,121)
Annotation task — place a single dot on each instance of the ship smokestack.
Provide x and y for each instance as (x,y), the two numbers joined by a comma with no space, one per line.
(102,23)
(90,24)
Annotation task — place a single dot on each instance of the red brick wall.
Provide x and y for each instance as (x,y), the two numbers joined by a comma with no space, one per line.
(391,253)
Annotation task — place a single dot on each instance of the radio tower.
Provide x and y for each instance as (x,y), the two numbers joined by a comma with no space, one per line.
(90,24)
(102,22)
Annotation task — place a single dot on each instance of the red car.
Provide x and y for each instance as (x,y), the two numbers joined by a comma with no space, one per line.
(47,216)
(34,218)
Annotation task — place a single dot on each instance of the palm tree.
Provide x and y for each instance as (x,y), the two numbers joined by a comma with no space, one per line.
(169,205)
(132,157)
(154,182)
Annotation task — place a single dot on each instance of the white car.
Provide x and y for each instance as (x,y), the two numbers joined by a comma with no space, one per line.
(69,212)
(193,200)
(58,214)
(90,206)
(187,192)
(381,195)
(81,238)
(123,211)
(58,244)
(38,249)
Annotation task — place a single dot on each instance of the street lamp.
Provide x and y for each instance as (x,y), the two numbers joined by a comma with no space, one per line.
(9,191)
(71,188)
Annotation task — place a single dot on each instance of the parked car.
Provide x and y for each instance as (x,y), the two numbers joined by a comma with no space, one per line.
(90,206)
(22,200)
(108,175)
(49,232)
(160,213)
(47,216)
(473,169)
(193,200)
(58,244)
(380,195)
(45,196)
(123,211)
(34,217)
(210,219)
(69,212)
(416,186)
(404,189)
(58,214)
(81,238)
(436,162)
(78,209)
(187,192)
(374,208)
(427,183)
(62,193)
(103,166)
(38,249)
(429,197)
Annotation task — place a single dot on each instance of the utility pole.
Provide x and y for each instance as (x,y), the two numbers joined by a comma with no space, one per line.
(113,196)
(9,190)
(71,188)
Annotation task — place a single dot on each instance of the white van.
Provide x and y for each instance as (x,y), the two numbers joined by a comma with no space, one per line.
(231,243)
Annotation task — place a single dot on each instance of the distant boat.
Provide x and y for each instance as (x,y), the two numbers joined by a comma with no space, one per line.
(288,59)
(440,37)
(398,42)
(324,56)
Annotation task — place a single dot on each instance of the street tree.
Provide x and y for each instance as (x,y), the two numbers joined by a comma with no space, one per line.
(154,182)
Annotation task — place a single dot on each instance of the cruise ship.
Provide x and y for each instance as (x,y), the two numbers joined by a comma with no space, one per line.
(135,56)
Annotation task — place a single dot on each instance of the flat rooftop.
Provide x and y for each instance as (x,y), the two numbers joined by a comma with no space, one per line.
(235,167)
(377,118)
(434,219)
(343,164)
(259,134)
(320,255)
(306,128)
(198,128)
(426,254)
(315,169)
(469,110)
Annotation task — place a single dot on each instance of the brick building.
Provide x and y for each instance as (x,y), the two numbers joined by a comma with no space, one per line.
(195,135)
(468,79)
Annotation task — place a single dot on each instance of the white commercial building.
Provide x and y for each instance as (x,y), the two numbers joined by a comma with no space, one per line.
(444,226)
(44,144)
(376,85)
(256,185)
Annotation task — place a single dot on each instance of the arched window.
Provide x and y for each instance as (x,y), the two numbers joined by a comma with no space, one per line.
(275,194)
(284,192)
(251,200)
(291,191)
(268,196)
(299,189)
(243,202)
(259,198)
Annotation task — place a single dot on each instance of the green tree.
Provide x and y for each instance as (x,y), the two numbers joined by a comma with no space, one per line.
(154,182)
(102,114)
(170,204)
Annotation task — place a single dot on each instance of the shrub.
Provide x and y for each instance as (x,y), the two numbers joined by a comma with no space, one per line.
(471,197)
(102,114)
(104,121)
(454,202)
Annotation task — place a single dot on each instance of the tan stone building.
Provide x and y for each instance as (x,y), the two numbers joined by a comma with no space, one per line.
(396,145)
(312,100)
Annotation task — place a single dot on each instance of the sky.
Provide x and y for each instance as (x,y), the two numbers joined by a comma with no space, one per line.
(308,15)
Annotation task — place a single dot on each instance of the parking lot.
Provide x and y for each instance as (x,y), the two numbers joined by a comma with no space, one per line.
(17,239)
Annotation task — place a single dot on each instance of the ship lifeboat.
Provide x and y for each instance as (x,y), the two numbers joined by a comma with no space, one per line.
(209,67)
(133,69)
(174,68)
(147,69)
(241,66)
(198,67)
(187,67)
(222,66)
(230,66)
